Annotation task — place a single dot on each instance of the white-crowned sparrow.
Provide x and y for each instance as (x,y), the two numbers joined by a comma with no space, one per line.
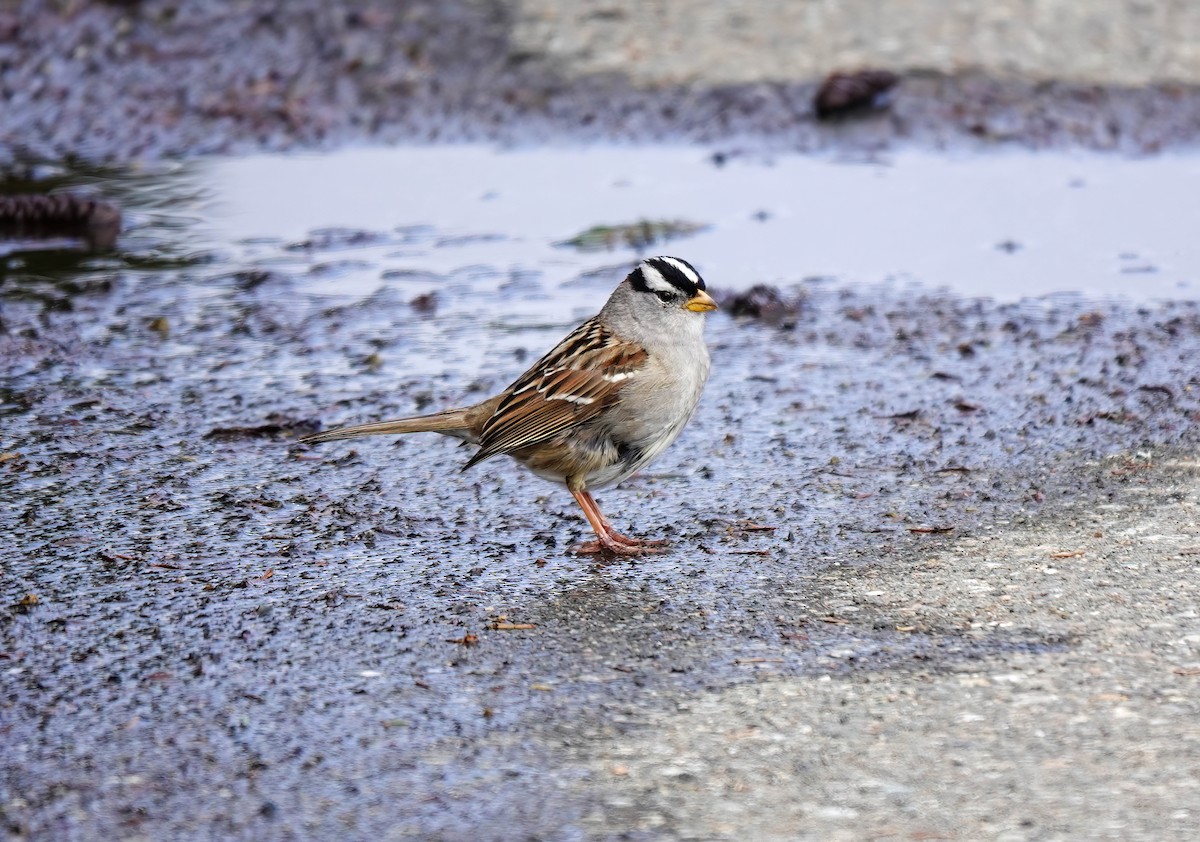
(602,404)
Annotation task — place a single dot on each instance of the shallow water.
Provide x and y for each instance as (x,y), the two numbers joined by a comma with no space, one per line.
(452,260)
(1004,226)
(474,236)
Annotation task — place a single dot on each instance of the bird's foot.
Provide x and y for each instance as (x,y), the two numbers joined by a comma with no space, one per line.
(618,544)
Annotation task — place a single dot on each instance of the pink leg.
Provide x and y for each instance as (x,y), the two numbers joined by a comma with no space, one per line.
(607,538)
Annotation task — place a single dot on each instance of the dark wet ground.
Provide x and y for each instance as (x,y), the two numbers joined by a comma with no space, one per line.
(208,629)
(123,81)
(873,621)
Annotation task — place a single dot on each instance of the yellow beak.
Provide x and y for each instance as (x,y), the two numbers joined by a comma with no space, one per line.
(701,302)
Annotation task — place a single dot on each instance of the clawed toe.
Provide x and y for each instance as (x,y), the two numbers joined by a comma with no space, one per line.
(609,541)
(620,545)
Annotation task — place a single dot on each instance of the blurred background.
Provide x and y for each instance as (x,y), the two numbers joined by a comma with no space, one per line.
(934,525)
(1111,42)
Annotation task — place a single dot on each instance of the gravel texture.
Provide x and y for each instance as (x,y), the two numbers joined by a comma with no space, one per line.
(934,574)
(143,80)
(934,564)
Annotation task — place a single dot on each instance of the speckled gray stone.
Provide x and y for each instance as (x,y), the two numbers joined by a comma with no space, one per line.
(1121,42)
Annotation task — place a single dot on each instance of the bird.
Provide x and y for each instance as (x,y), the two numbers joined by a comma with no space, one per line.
(601,405)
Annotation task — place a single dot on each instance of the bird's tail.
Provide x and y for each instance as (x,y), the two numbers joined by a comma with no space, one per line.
(452,422)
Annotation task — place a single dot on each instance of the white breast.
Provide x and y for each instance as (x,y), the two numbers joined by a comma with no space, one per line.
(657,402)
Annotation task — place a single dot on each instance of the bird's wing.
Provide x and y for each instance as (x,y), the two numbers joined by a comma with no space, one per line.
(568,386)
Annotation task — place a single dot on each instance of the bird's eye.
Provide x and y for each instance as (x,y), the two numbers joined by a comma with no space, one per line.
(664,296)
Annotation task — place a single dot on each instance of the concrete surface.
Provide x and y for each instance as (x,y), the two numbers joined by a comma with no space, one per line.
(1072,740)
(1111,42)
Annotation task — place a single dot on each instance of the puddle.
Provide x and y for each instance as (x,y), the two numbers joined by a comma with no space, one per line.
(299,276)
(469,243)
(1004,226)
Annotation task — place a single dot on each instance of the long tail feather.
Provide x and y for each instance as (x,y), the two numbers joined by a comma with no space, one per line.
(452,422)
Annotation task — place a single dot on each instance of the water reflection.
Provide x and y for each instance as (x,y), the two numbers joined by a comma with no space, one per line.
(1005,226)
(350,224)
(158,236)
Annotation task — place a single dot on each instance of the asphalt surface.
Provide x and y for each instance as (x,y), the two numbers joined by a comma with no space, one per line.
(932,543)
(113,82)
(933,566)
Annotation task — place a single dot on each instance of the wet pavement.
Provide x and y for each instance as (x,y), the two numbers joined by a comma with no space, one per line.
(934,532)
(887,495)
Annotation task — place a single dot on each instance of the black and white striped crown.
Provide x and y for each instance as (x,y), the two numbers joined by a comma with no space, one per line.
(670,275)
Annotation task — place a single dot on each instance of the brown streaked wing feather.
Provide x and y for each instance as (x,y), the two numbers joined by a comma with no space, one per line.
(566,387)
